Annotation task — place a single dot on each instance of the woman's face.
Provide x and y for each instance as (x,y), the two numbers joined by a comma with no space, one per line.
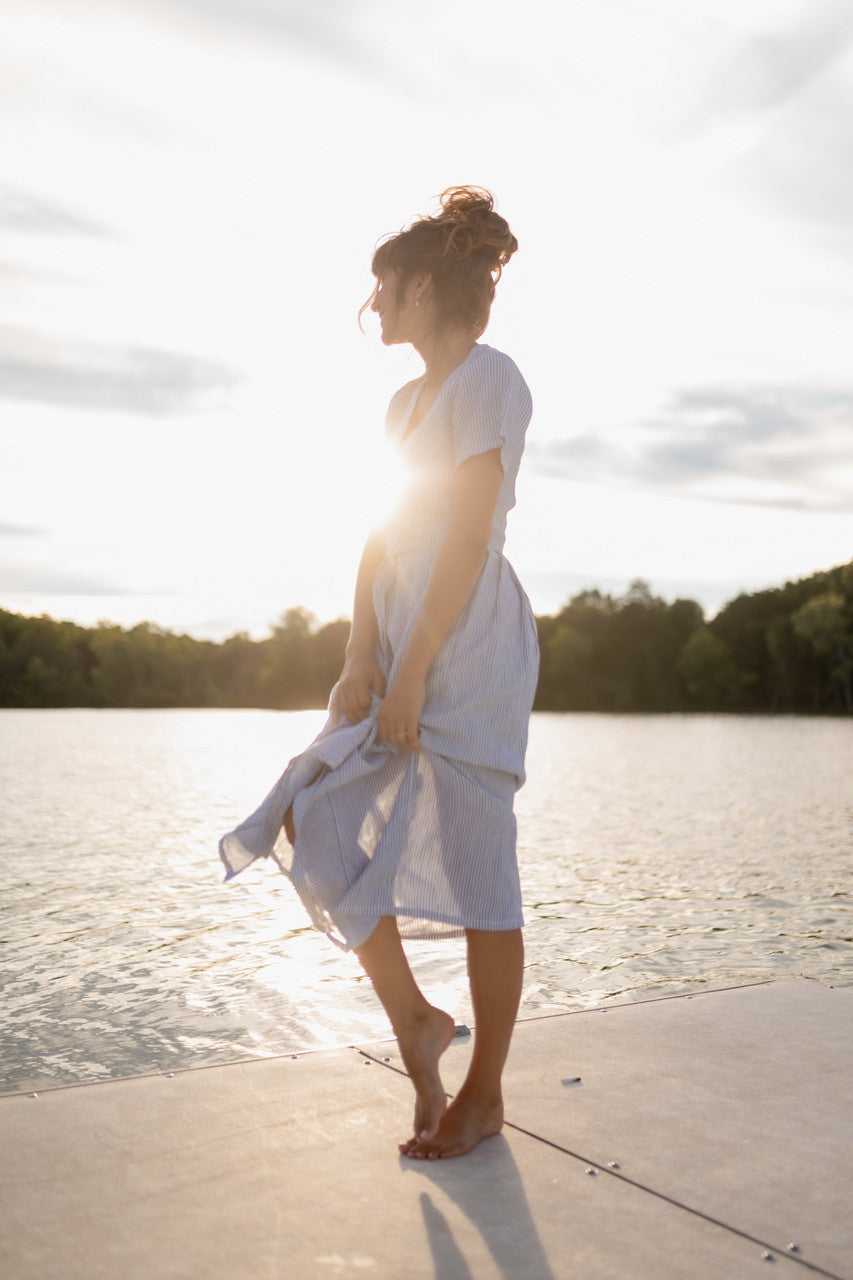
(399,313)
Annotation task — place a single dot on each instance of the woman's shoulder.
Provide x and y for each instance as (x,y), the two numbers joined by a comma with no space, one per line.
(490,358)
(492,373)
(488,365)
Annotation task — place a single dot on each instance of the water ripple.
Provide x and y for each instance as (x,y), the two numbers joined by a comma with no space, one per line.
(658,854)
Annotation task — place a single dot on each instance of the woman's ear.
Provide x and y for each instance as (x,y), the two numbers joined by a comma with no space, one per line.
(423,283)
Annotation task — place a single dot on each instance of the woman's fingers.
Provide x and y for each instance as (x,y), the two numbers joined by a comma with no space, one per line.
(400,712)
(353,695)
(354,700)
(400,733)
(354,709)
(397,721)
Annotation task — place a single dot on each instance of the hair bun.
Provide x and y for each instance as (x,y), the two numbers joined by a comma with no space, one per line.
(462,248)
(471,226)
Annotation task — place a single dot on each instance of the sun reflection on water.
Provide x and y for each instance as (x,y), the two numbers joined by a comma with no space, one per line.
(657,854)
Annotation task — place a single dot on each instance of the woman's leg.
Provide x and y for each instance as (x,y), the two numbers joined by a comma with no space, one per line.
(495,969)
(423,1032)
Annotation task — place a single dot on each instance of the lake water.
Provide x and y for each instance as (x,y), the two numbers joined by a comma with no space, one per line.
(659,855)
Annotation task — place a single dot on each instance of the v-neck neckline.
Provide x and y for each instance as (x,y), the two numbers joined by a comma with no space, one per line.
(409,430)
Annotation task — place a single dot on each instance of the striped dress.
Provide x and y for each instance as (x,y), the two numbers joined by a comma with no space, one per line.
(429,836)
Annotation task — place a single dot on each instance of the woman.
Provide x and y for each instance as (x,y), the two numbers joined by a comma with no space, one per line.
(397,821)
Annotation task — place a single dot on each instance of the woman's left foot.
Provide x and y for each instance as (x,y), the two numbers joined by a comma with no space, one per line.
(469,1119)
(421,1045)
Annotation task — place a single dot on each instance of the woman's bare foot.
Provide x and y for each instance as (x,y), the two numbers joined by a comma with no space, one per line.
(421,1045)
(469,1119)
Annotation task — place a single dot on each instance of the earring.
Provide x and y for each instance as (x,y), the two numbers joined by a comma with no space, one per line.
(417,302)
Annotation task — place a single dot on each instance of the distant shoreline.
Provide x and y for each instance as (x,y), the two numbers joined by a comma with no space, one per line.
(785,650)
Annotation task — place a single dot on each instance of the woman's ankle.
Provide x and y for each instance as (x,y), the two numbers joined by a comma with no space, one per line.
(484,1090)
(418,1019)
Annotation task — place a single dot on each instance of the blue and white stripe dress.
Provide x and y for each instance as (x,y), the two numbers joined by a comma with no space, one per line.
(429,836)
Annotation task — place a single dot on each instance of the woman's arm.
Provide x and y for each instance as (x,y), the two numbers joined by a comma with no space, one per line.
(361,674)
(476,488)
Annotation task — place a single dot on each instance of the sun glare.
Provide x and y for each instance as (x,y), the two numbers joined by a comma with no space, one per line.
(390,483)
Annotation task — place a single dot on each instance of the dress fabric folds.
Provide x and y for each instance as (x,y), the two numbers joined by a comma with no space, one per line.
(428,836)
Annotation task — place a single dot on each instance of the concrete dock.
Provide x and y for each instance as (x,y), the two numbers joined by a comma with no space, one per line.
(710,1137)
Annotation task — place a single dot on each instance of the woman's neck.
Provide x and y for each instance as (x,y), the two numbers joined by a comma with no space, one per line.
(442,353)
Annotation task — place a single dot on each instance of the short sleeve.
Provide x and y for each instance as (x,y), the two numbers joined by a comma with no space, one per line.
(491,408)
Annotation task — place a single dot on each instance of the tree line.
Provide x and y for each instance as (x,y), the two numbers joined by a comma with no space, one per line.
(788,649)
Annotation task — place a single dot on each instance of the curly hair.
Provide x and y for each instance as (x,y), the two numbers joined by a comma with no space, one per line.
(463,248)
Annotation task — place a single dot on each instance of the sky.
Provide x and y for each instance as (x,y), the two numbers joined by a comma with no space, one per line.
(191,422)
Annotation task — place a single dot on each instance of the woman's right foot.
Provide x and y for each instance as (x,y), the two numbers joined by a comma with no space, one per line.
(470,1118)
(421,1045)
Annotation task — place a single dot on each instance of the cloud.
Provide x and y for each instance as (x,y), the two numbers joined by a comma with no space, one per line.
(771,67)
(53,369)
(28,569)
(787,447)
(8,530)
(18,580)
(790,86)
(343,31)
(24,211)
(802,162)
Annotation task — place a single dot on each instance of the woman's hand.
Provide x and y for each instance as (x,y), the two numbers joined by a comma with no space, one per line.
(360,678)
(400,711)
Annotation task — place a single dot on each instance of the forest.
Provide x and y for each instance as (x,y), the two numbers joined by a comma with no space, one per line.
(783,650)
